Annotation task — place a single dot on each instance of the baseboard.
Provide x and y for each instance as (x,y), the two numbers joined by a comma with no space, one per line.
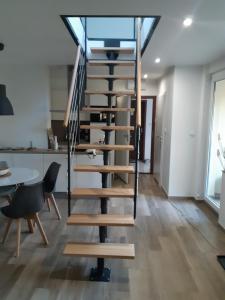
(181,198)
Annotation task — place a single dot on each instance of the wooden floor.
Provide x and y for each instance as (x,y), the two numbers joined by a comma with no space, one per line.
(176,246)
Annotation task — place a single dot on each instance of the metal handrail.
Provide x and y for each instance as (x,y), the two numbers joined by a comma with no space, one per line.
(73,84)
(138,109)
(138,72)
(72,115)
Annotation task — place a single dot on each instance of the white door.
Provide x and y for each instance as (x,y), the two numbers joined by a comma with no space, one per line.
(158,159)
(148,129)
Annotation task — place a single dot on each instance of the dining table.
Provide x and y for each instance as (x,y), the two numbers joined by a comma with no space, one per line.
(16,177)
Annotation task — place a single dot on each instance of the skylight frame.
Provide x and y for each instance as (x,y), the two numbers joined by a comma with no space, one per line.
(148,38)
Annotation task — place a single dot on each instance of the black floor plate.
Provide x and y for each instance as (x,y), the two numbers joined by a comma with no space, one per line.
(104,276)
(221,260)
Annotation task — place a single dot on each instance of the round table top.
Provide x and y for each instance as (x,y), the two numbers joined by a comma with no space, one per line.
(19,176)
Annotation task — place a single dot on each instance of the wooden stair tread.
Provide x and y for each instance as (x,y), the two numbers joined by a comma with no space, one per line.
(118,77)
(107,92)
(107,127)
(101,250)
(104,169)
(111,62)
(105,147)
(102,192)
(106,109)
(100,220)
(124,50)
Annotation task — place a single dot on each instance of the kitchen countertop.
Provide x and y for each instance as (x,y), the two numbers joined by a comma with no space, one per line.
(41,151)
(33,151)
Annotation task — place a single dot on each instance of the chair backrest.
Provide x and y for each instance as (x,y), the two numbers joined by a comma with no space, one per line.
(51,177)
(27,200)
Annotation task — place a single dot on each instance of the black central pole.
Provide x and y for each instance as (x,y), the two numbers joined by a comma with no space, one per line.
(101,273)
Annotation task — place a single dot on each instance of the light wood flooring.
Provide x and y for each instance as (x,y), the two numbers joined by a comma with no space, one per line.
(176,246)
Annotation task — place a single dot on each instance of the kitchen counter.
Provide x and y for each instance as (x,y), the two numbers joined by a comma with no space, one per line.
(33,151)
(40,160)
(42,151)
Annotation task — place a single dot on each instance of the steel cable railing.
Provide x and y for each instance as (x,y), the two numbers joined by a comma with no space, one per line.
(72,116)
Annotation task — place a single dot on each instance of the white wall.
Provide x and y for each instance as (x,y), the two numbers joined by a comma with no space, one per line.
(163,123)
(149,87)
(185,120)
(179,113)
(28,90)
(58,91)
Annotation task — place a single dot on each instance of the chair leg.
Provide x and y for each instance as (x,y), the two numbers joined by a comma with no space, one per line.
(30,225)
(55,206)
(38,222)
(48,203)
(18,237)
(8,225)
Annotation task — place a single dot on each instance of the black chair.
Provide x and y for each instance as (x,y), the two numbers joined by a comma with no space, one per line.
(49,185)
(7,191)
(26,203)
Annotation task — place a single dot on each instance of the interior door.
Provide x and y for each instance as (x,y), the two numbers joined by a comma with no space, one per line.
(158,153)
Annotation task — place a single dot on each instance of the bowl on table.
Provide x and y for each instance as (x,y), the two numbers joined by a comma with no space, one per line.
(4,169)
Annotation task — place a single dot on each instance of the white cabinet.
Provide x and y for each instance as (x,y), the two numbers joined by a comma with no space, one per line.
(83,179)
(97,135)
(41,162)
(61,183)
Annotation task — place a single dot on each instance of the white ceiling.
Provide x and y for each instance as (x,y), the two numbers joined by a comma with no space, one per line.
(33,32)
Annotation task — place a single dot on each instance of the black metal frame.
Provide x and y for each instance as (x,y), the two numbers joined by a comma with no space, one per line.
(100,273)
(149,36)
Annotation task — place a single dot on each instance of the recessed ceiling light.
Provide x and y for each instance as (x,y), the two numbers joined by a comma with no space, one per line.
(145,76)
(187,22)
(157,60)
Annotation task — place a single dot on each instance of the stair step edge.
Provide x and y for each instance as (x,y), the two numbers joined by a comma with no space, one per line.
(98,219)
(101,250)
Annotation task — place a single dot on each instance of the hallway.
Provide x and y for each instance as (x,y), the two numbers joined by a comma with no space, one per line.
(176,246)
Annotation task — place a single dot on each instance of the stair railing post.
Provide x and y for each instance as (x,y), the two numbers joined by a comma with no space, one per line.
(78,104)
(138,108)
(68,169)
(85,52)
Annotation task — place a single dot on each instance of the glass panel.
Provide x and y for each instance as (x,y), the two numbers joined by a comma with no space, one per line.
(217,145)
(78,29)
(110,28)
(147,24)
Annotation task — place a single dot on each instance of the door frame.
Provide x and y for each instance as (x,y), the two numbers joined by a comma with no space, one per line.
(214,78)
(145,98)
(153,98)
